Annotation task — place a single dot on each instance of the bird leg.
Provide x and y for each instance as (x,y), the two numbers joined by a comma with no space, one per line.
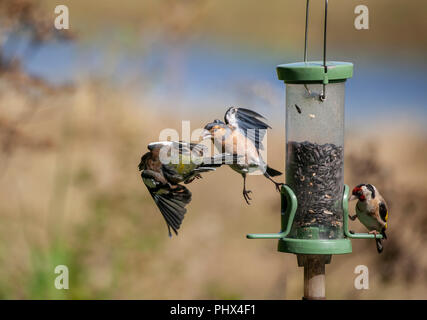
(246,192)
(374,232)
(352,218)
(277,184)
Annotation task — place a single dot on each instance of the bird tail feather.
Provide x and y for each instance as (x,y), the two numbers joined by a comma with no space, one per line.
(383,233)
(272,172)
(379,245)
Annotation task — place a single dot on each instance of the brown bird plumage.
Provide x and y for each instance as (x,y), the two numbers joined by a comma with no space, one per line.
(242,134)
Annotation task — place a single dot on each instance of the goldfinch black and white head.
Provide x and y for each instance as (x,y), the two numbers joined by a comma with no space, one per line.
(364,192)
(371,210)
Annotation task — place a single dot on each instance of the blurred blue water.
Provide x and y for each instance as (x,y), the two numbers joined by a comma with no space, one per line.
(207,73)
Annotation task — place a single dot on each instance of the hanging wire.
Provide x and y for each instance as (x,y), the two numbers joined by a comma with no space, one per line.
(307,9)
(323,95)
(306,30)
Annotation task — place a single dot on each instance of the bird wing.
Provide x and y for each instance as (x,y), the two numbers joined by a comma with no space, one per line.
(248,122)
(154,145)
(183,167)
(383,211)
(182,147)
(175,151)
(155,178)
(196,149)
(171,202)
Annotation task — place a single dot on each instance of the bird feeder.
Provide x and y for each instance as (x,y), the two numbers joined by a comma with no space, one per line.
(314,210)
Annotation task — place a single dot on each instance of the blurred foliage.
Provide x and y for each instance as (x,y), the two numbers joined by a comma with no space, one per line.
(275,24)
(24,18)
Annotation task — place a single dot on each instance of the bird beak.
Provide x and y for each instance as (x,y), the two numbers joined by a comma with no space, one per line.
(353,197)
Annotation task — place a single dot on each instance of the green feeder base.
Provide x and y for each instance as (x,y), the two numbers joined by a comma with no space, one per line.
(305,246)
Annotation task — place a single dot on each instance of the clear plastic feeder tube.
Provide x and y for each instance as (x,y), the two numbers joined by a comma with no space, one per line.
(315,158)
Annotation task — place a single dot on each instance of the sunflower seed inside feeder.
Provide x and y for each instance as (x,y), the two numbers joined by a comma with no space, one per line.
(315,172)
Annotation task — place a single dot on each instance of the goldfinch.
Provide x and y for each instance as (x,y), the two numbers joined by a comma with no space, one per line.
(371,210)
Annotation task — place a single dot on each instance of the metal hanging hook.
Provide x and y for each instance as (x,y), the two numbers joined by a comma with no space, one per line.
(307,10)
(323,95)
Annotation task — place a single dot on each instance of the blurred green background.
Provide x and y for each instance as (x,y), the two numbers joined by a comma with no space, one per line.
(78,108)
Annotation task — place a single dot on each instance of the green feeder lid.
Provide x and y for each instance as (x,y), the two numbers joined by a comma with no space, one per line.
(314,72)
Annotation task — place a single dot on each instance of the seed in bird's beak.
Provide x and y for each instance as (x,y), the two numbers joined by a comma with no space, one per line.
(353,197)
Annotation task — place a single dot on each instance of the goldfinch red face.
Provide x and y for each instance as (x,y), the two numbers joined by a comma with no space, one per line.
(358,194)
(363,192)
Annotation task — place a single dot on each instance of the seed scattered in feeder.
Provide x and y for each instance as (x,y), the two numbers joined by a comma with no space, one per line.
(311,211)
(298,108)
(312,116)
(327,212)
(327,196)
(337,223)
